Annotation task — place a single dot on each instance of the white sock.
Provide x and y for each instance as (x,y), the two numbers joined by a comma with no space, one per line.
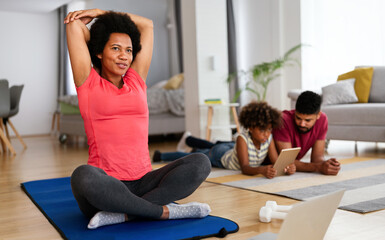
(182,146)
(103,218)
(188,210)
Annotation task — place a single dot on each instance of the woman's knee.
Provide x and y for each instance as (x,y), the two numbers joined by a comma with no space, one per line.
(80,171)
(200,164)
(83,174)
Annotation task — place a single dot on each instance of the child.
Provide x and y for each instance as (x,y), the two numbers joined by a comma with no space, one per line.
(251,148)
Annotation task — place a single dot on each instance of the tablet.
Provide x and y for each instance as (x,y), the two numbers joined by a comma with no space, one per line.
(285,158)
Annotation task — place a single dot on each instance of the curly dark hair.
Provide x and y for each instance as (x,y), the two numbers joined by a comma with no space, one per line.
(308,103)
(101,29)
(260,115)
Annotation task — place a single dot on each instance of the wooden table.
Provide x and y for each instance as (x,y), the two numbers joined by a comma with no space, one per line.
(210,114)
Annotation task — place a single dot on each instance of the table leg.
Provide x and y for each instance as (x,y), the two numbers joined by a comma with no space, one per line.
(209,121)
(234,111)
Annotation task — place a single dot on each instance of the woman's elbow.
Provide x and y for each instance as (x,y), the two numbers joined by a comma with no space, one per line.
(149,24)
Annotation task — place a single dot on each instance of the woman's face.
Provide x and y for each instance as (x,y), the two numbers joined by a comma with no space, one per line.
(117,55)
(261,135)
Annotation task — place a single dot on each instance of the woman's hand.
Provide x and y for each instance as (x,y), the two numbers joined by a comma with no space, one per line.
(85,16)
(290,169)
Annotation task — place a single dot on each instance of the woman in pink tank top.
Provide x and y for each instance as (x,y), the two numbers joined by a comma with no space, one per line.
(110,63)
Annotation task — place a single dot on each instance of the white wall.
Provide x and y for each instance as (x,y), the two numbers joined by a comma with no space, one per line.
(190,58)
(29,56)
(266,29)
(205,40)
(253,22)
(291,36)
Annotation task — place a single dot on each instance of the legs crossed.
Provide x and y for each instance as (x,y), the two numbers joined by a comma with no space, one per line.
(95,191)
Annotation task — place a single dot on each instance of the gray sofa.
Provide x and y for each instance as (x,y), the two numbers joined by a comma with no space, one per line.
(356,121)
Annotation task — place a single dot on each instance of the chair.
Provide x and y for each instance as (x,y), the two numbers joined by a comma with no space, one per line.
(5,106)
(15,92)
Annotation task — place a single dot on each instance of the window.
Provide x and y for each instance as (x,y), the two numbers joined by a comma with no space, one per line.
(342,34)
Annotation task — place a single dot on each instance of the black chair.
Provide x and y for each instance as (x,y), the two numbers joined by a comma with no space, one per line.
(5,106)
(15,95)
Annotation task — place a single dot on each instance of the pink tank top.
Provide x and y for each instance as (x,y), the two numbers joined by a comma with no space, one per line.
(116,124)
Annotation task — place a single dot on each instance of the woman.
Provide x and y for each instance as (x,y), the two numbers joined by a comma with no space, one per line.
(110,63)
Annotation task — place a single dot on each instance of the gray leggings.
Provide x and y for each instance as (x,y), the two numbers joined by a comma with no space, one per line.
(95,191)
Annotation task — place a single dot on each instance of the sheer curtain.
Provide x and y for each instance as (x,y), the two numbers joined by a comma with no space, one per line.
(342,34)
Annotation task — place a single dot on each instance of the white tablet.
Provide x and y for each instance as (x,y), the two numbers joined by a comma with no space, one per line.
(285,158)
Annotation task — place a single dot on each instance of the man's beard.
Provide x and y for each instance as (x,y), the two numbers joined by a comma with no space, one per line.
(303,129)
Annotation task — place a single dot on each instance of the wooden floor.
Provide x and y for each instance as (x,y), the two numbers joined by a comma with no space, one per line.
(46,158)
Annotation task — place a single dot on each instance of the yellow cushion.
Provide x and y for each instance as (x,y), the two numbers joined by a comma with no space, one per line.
(363,82)
(174,82)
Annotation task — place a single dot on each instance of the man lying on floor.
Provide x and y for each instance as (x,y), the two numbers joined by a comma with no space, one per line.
(306,127)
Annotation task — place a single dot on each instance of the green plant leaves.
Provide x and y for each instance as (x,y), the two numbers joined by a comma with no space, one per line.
(262,74)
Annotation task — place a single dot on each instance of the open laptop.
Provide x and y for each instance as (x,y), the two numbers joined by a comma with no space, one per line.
(307,220)
(285,158)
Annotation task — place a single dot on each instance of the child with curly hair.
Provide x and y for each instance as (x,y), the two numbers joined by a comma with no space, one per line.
(251,148)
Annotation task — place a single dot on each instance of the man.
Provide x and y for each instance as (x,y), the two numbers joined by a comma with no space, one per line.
(306,127)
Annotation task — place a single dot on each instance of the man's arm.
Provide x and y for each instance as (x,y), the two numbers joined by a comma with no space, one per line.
(317,152)
(317,162)
(327,167)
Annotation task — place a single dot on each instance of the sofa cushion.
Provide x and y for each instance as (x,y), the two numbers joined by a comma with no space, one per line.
(340,92)
(174,82)
(356,114)
(377,93)
(363,83)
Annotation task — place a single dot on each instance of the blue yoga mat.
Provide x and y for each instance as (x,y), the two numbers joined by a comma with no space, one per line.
(55,200)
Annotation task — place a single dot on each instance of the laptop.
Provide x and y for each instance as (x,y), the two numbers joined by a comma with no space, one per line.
(307,220)
(285,158)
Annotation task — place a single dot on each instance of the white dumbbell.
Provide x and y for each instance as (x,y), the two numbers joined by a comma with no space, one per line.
(266,214)
(277,208)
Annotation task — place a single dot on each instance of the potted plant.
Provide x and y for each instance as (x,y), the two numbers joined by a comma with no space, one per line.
(259,76)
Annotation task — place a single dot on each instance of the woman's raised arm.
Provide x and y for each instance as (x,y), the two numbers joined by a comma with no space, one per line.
(77,38)
(142,61)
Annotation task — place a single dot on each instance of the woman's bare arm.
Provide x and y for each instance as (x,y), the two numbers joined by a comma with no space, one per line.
(142,61)
(77,37)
